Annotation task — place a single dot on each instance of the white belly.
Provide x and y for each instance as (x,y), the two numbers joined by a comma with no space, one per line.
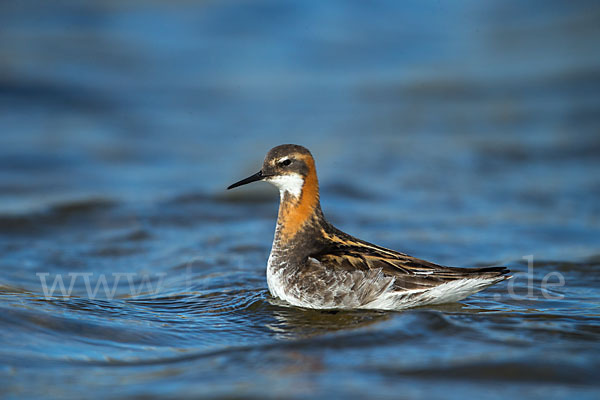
(274,278)
(278,281)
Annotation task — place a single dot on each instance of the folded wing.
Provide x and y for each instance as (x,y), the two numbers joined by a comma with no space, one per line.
(409,273)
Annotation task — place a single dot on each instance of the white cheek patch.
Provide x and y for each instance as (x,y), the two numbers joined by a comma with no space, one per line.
(291,184)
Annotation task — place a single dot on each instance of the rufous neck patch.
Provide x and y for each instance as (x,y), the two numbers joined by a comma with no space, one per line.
(294,213)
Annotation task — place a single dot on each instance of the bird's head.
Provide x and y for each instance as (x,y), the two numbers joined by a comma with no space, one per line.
(290,167)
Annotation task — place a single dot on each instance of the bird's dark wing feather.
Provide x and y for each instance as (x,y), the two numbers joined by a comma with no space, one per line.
(348,253)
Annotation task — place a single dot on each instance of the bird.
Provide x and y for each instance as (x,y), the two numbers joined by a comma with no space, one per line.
(314,265)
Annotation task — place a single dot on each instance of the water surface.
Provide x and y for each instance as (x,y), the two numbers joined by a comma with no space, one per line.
(464,134)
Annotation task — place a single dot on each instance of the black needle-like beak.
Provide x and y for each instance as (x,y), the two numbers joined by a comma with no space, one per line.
(256,177)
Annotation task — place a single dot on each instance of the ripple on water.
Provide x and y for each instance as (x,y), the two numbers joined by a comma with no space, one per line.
(118,164)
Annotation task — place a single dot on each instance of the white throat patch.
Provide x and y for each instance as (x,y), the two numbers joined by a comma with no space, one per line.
(291,184)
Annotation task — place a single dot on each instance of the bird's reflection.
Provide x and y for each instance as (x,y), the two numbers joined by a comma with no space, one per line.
(293,322)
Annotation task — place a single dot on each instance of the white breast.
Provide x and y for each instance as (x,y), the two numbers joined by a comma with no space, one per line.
(274,276)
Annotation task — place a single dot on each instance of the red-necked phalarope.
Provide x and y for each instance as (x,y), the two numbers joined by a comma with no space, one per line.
(314,265)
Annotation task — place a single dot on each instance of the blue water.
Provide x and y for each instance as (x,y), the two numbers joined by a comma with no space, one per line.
(465,133)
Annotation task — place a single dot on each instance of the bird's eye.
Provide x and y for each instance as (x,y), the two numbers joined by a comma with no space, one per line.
(285,163)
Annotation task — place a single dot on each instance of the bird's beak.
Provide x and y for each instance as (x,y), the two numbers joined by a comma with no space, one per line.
(256,177)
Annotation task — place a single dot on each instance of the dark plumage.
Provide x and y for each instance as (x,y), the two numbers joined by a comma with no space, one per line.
(313,264)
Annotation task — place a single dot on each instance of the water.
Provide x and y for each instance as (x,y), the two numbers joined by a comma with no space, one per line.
(466,134)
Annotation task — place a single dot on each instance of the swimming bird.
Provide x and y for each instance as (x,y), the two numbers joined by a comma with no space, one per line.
(315,265)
